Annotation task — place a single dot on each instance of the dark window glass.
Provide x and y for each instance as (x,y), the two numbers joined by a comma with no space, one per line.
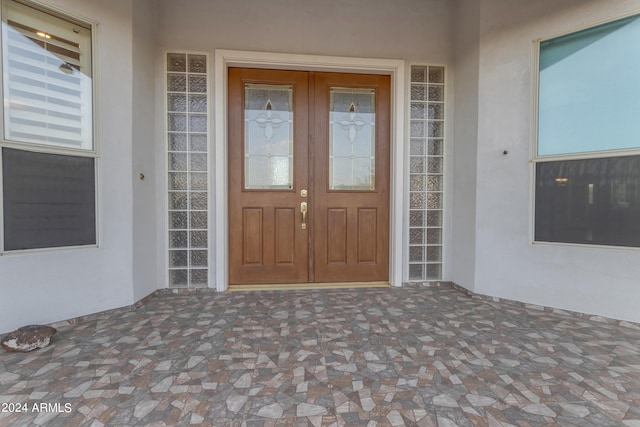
(49,200)
(589,201)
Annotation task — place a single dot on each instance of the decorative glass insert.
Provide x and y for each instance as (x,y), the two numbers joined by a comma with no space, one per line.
(426,160)
(268,137)
(187,136)
(352,139)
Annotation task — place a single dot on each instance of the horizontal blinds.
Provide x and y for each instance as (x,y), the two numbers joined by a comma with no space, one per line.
(47,79)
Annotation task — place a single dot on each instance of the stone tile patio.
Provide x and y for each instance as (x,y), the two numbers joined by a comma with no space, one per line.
(429,356)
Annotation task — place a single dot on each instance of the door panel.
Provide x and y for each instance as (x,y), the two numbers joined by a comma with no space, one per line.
(336,232)
(355,211)
(334,143)
(285,248)
(266,241)
(367,234)
(252,236)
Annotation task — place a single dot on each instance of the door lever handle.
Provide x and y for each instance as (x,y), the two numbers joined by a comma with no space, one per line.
(303,211)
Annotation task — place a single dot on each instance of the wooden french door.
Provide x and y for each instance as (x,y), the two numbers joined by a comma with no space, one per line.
(308,176)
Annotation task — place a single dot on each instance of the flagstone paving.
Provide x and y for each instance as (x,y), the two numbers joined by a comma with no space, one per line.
(411,356)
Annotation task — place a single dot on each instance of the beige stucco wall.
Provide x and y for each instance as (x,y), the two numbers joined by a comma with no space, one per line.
(144,141)
(487,48)
(410,30)
(593,280)
(402,29)
(52,285)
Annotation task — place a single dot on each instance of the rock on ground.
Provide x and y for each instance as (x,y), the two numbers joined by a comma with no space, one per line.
(28,338)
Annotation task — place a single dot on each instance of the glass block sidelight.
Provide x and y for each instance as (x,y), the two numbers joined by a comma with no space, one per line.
(187,169)
(426,162)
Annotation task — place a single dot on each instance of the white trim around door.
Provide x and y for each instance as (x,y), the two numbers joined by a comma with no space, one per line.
(233,58)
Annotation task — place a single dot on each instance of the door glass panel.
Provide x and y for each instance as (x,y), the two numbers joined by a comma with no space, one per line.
(352,140)
(268,137)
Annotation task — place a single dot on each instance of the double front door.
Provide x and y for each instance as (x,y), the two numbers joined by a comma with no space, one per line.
(308,176)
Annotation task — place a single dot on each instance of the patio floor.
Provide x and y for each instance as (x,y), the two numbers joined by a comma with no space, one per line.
(380,356)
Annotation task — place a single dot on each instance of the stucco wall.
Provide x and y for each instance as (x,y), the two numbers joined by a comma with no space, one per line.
(413,30)
(403,29)
(487,47)
(145,212)
(54,285)
(586,279)
(464,144)
(50,286)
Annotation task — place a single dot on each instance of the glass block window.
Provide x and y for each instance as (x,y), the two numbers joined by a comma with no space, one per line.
(187,145)
(426,162)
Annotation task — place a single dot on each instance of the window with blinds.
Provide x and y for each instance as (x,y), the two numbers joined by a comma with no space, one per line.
(48,161)
(587,163)
(47,78)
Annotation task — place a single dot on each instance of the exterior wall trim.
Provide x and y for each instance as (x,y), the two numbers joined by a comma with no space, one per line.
(395,68)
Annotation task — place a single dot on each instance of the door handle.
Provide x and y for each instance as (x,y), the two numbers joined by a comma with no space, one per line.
(303,211)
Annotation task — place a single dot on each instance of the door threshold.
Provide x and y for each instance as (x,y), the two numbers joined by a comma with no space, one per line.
(305,286)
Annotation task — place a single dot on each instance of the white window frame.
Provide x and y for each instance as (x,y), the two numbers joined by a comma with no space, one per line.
(94,152)
(535,158)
